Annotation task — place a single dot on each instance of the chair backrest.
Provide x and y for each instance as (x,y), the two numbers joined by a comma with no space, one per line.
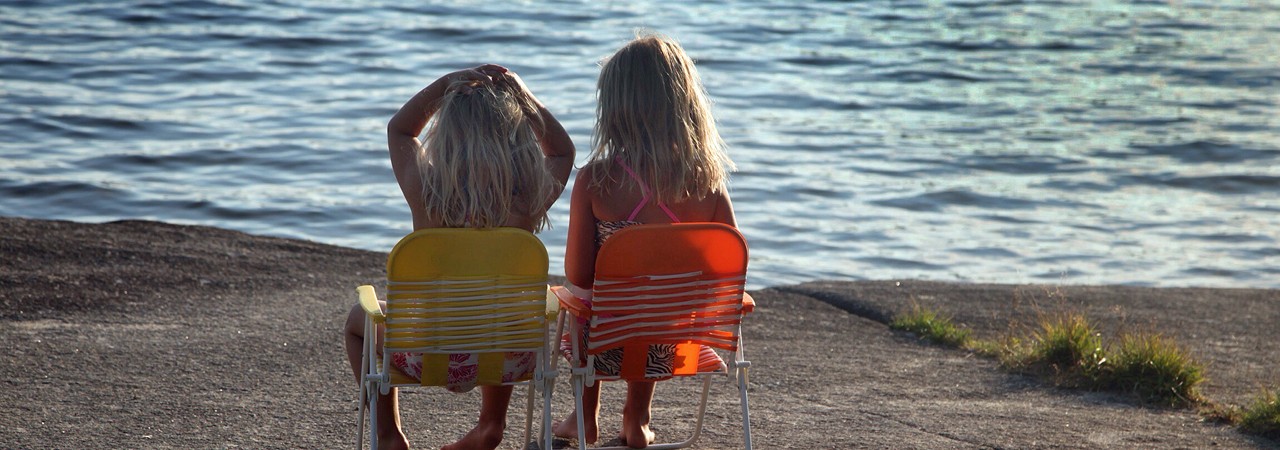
(459,290)
(676,284)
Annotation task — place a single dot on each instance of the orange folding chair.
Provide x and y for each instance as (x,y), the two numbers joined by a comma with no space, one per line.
(680,285)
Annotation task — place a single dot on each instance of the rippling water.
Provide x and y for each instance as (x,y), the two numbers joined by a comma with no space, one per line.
(1009,141)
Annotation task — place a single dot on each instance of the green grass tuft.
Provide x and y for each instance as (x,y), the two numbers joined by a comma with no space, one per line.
(931,326)
(1263,417)
(1065,346)
(1155,369)
(1067,349)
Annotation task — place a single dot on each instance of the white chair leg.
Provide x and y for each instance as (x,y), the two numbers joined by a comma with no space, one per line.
(548,387)
(578,379)
(697,427)
(549,379)
(702,412)
(581,413)
(528,414)
(373,420)
(364,387)
(746,414)
(360,419)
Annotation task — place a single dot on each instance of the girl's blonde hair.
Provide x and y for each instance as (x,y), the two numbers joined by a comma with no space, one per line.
(654,115)
(481,161)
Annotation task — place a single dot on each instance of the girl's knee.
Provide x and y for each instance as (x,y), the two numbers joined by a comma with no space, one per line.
(355,321)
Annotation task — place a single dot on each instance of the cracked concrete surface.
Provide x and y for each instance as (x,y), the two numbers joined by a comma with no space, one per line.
(148,335)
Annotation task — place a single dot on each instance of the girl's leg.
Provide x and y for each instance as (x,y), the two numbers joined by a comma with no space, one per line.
(390,434)
(353,338)
(635,414)
(568,427)
(493,420)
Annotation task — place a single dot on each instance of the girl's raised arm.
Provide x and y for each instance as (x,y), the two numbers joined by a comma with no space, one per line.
(406,125)
(554,140)
(556,145)
(580,246)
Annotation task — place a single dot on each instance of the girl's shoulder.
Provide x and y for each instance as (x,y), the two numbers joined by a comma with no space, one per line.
(594,172)
(595,165)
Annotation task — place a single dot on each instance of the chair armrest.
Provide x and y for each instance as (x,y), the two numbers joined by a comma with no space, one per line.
(748,303)
(570,303)
(369,302)
(553,304)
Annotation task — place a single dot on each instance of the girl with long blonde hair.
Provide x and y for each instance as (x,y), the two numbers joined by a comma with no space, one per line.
(656,158)
(493,156)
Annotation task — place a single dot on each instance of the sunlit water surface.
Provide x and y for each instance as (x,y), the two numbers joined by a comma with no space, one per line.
(1022,141)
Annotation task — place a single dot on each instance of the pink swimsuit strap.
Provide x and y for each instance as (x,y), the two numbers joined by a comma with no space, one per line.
(644,190)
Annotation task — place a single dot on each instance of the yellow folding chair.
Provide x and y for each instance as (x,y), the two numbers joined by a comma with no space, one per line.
(676,284)
(457,291)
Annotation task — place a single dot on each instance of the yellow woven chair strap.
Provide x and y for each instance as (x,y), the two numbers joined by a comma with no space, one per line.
(466,315)
(485,316)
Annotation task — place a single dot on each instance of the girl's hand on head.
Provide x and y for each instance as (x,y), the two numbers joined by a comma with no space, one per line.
(514,81)
(464,80)
(484,74)
(492,70)
(516,84)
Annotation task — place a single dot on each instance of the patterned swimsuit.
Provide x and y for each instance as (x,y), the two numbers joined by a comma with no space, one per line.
(465,367)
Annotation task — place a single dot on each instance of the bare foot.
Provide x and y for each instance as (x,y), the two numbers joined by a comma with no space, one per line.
(482,437)
(568,428)
(637,436)
(395,441)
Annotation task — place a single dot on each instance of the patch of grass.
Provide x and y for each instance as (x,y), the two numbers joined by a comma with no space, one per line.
(985,348)
(1153,368)
(1065,347)
(1219,414)
(1069,350)
(1263,416)
(931,326)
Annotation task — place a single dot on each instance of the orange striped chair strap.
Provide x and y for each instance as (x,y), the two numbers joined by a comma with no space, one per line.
(687,308)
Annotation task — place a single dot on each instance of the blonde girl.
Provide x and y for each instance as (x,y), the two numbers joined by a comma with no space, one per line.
(656,158)
(493,157)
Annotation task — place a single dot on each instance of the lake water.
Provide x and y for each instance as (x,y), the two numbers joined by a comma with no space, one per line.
(1077,142)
